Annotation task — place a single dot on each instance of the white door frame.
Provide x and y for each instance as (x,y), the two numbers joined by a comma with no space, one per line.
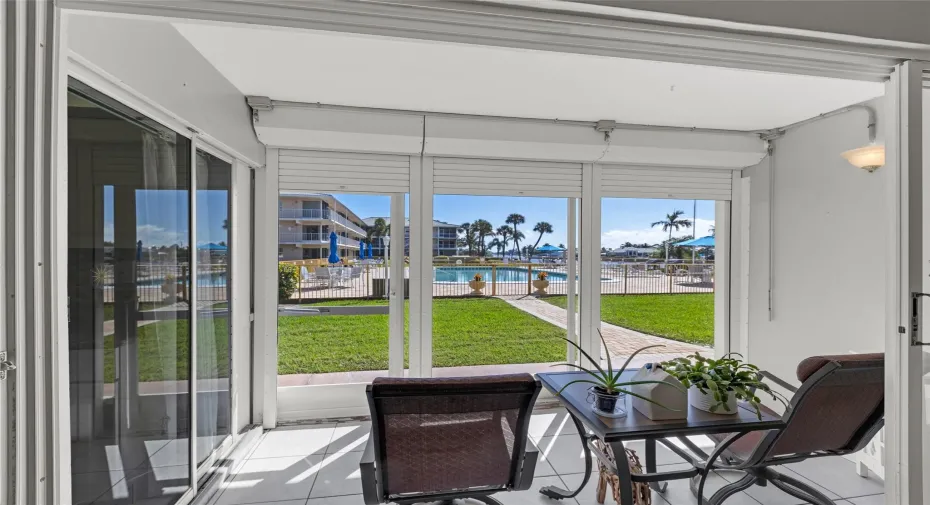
(907,274)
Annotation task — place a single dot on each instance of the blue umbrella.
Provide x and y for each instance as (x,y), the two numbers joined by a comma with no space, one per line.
(707,241)
(333,257)
(361,250)
(369,251)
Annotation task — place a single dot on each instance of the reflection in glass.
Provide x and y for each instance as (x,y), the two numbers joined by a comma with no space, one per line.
(128,261)
(214,290)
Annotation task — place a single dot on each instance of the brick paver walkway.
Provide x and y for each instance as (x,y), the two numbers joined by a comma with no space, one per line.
(620,341)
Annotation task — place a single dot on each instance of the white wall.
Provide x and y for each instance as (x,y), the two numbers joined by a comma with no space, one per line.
(154,60)
(829,273)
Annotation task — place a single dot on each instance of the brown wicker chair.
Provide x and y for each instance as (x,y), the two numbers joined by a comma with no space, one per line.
(837,409)
(448,438)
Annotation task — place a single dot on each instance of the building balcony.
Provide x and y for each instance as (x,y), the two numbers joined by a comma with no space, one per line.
(320,239)
(316,215)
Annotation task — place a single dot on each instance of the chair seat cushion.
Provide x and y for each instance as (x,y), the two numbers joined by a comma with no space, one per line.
(439,452)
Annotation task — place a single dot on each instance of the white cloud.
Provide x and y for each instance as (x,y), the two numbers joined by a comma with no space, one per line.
(153,235)
(616,238)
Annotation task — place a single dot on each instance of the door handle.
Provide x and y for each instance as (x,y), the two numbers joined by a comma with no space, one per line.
(5,365)
(915,318)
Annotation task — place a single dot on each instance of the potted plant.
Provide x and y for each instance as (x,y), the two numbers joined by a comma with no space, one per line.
(476,284)
(714,385)
(541,282)
(607,385)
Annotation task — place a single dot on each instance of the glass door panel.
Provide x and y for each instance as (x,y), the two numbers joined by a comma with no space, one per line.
(213,285)
(657,277)
(129,332)
(500,280)
(335,285)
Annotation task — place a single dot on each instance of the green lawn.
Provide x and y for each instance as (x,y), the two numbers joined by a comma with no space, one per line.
(163,352)
(685,317)
(478,331)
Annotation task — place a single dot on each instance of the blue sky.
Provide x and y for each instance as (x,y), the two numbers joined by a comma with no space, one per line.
(622,220)
(161,215)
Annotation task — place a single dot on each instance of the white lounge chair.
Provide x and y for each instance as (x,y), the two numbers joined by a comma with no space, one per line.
(324,275)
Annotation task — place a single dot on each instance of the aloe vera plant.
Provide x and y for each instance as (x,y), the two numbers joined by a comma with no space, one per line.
(721,378)
(609,379)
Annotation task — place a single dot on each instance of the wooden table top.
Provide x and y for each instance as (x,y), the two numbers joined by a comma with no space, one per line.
(635,425)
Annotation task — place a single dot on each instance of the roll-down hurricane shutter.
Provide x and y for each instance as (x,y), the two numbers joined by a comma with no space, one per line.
(342,172)
(463,176)
(626,181)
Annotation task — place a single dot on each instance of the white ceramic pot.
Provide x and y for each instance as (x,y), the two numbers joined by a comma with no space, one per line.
(704,402)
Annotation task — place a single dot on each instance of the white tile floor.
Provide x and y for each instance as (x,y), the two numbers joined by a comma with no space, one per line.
(318,465)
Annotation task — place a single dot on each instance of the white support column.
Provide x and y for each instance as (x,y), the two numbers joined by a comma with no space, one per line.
(722,278)
(572,285)
(396,288)
(745,216)
(265,389)
(590,309)
(240,306)
(906,274)
(425,267)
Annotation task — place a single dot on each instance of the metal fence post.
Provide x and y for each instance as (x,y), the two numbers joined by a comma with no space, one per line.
(493,280)
(529,279)
(626,275)
(668,272)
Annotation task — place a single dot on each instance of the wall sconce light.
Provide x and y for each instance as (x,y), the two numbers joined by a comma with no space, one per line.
(870,157)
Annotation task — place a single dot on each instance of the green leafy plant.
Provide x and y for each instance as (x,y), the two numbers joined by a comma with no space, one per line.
(542,275)
(288,278)
(721,378)
(609,379)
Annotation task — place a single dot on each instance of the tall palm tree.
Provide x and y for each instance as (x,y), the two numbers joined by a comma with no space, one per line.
(377,229)
(483,229)
(516,219)
(541,228)
(672,222)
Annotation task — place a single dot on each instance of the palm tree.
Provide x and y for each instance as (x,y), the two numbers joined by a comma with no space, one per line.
(541,228)
(469,238)
(517,237)
(504,232)
(498,244)
(483,229)
(672,223)
(515,219)
(377,229)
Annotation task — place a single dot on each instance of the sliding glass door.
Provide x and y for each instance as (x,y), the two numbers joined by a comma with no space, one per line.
(129,329)
(213,297)
(147,371)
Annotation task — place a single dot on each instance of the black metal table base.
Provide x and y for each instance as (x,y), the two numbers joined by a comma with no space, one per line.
(698,472)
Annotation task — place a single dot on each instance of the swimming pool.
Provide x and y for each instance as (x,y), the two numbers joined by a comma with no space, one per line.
(504,274)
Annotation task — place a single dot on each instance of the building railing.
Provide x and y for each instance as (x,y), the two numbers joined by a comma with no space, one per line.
(318,214)
(286,237)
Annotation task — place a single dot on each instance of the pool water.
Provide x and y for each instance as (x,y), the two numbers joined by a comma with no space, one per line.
(504,274)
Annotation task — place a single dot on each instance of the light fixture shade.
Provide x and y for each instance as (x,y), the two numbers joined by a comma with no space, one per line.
(869,157)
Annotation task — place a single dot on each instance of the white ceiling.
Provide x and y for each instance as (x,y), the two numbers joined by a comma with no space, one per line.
(367,71)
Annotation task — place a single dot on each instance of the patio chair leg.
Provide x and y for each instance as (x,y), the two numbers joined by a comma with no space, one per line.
(730,489)
(487,500)
(798,489)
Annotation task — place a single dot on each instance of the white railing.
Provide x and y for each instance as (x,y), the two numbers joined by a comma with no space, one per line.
(313,238)
(318,214)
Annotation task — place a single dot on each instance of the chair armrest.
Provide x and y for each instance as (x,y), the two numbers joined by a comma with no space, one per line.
(372,488)
(781,382)
(524,478)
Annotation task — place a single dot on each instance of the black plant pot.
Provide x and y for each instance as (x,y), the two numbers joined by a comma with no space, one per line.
(606,402)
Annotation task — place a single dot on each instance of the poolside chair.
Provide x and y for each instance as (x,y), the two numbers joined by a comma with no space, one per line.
(450,438)
(324,276)
(836,411)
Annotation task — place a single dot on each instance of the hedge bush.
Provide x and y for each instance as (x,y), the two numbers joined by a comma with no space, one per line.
(288,280)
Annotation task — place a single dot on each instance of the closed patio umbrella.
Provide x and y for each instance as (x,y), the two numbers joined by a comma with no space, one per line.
(361,250)
(333,247)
